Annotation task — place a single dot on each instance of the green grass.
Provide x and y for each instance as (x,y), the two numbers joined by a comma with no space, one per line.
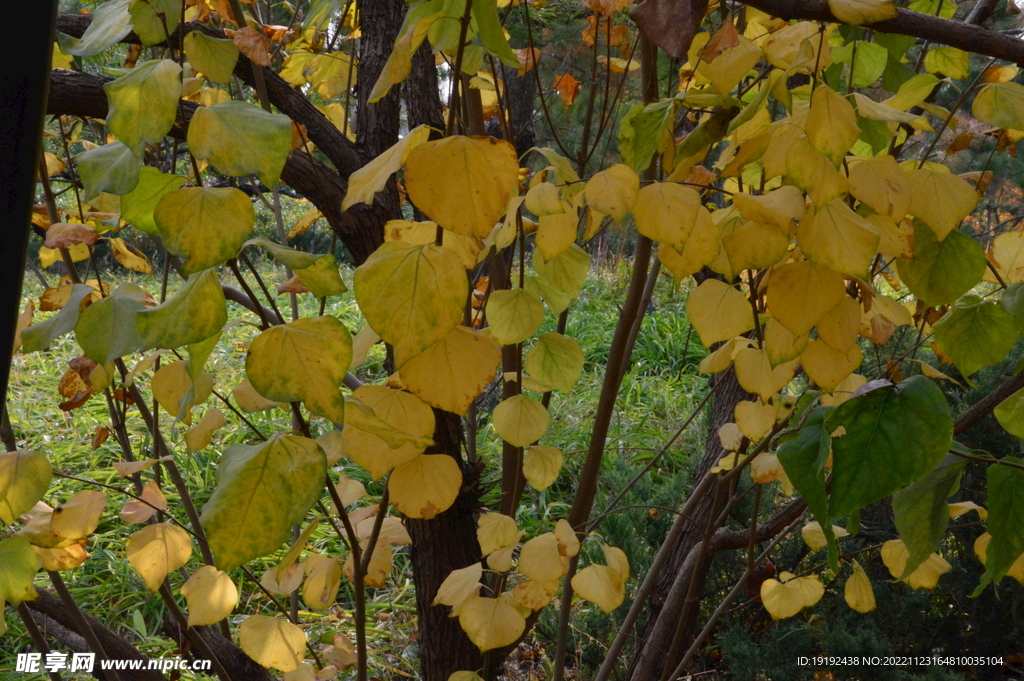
(658,392)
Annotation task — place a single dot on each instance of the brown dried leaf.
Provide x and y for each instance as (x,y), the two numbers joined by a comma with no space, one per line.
(24,321)
(725,37)
(567,88)
(670,24)
(65,234)
(253,44)
(99,436)
(528,57)
(293,285)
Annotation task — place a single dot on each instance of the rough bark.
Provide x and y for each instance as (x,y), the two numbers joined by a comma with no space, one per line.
(422,98)
(48,610)
(651,657)
(445,543)
(522,94)
(377,124)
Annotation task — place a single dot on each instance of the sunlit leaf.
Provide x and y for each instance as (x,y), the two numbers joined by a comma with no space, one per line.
(273,642)
(156,550)
(425,486)
(210,594)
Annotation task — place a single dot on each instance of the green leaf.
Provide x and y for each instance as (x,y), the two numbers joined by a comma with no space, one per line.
(215,58)
(138,205)
(976,333)
(556,361)
(323,278)
(144,103)
(39,336)
(513,315)
(289,257)
(803,458)
(112,168)
(197,311)
(941,272)
(922,512)
(1005,520)
(239,139)
(262,490)
(206,226)
(895,434)
(150,26)
(107,329)
(565,272)
(18,566)
(557,300)
(492,36)
(24,478)
(305,360)
(1010,414)
(1012,302)
(411,295)
(646,129)
(110,22)
(869,61)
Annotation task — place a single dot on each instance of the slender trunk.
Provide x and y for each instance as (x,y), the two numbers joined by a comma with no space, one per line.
(663,623)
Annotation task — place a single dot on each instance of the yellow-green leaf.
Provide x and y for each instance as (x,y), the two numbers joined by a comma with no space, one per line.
(613,191)
(541,466)
(839,239)
(371,178)
(425,486)
(941,200)
(144,103)
(24,478)
(215,58)
(239,139)
(305,360)
(205,226)
(831,124)
(800,294)
(520,421)
(513,315)
(399,409)
(719,311)
(452,372)
(463,183)
(194,313)
(556,361)
(858,13)
(156,550)
(666,212)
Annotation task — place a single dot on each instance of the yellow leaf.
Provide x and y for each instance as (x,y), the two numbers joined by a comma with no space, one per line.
(79,516)
(981,551)
(399,63)
(138,512)
(541,466)
(467,676)
(731,66)
(719,311)
(783,50)
(858,13)
(616,558)
(781,207)
(533,594)
(425,486)
(814,173)
(305,360)
(791,595)
(199,435)
(513,315)
(171,383)
(602,585)
(800,294)
(814,537)
(451,373)
(391,529)
(495,531)
(520,421)
(858,591)
(425,233)
(1008,256)
(949,62)
(841,326)
(941,200)
(666,212)
(59,560)
(156,550)
(401,410)
(926,576)
(961,507)
(323,578)
(556,233)
(210,594)
(541,560)
(371,178)
(568,542)
(827,366)
(843,391)
(470,194)
(129,256)
(831,124)
(613,191)
(730,436)
(882,185)
(283,584)
(349,491)
(555,361)
(766,468)
(754,419)
(308,219)
(755,373)
(249,400)
(459,585)
(273,642)
(492,622)
(780,344)
(701,248)
(378,569)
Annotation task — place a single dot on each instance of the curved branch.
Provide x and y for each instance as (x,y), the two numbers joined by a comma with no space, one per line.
(966,37)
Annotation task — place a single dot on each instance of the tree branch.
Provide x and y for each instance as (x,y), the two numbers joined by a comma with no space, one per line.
(970,38)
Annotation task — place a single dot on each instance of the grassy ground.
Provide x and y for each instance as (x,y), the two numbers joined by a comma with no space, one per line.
(658,393)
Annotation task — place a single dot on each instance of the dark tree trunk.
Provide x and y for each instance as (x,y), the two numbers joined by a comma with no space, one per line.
(522,92)
(663,624)
(377,124)
(422,98)
(445,543)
